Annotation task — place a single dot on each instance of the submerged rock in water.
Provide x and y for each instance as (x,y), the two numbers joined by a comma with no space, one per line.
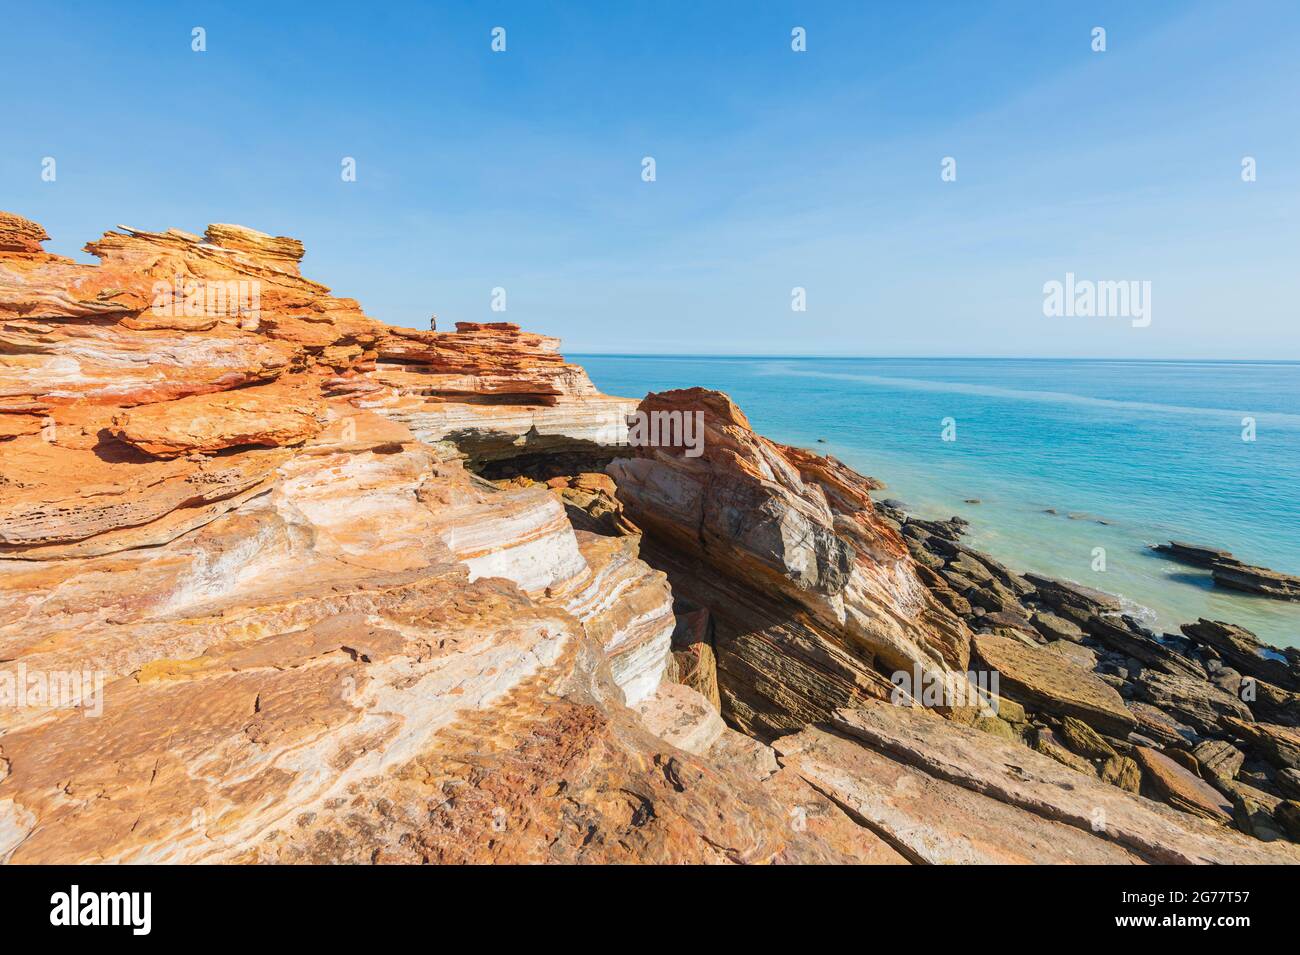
(1229,572)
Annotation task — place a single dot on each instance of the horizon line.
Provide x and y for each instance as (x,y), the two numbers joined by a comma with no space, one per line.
(1215,361)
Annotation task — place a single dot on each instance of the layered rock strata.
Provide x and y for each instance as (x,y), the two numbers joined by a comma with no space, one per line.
(282,583)
(813,599)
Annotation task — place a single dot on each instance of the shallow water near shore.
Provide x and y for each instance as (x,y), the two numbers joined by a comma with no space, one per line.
(1127,453)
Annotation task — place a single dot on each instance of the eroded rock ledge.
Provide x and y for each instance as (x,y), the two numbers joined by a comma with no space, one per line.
(313,588)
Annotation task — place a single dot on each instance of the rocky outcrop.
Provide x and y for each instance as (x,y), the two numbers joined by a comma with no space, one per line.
(1257,580)
(20,235)
(281,583)
(252,518)
(1193,554)
(813,597)
(266,417)
(1097,687)
(498,393)
(288,598)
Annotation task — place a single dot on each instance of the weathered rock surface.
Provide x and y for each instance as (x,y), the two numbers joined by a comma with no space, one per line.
(249,509)
(1280,744)
(1219,759)
(1178,690)
(500,392)
(291,600)
(1070,598)
(20,235)
(682,717)
(1181,788)
(931,820)
(1287,815)
(1123,772)
(1248,653)
(1080,656)
(1047,743)
(1084,740)
(1195,702)
(1018,777)
(1192,553)
(271,417)
(1122,636)
(1050,682)
(692,648)
(1057,628)
(1288,781)
(812,596)
(1257,580)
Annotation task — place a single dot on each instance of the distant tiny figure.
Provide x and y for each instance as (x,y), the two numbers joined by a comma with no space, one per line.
(433,323)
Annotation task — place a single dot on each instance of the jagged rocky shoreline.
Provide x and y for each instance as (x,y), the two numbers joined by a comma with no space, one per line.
(1204,720)
(282,583)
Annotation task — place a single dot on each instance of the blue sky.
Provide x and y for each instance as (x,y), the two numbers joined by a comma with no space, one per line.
(775,169)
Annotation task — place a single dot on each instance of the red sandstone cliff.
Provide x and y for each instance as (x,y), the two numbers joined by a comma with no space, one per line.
(334,619)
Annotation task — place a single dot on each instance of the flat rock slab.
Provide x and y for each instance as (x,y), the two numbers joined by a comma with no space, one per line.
(1158,726)
(1118,635)
(931,820)
(1182,788)
(1257,580)
(1198,703)
(1057,628)
(1060,592)
(1194,554)
(808,811)
(1049,681)
(1013,774)
(1076,653)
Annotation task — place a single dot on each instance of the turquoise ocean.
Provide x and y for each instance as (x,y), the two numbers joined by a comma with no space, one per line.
(1127,453)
